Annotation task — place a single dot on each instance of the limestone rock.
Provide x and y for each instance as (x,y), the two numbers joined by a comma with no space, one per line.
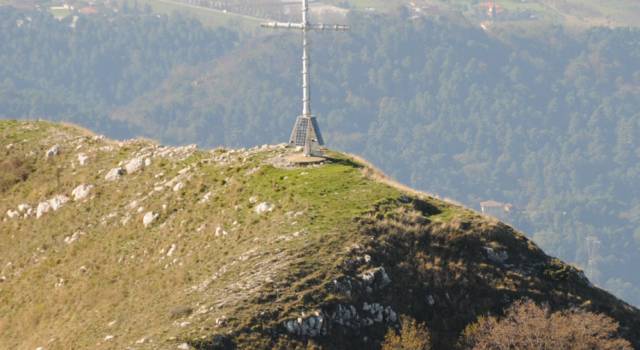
(134,165)
(375,278)
(58,201)
(497,257)
(220,232)
(149,218)
(172,250)
(264,207)
(42,208)
(74,237)
(178,187)
(12,214)
(114,174)
(53,151)
(52,204)
(82,159)
(81,192)
(307,326)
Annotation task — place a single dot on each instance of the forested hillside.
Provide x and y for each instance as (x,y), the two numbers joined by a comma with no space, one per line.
(549,123)
(81,68)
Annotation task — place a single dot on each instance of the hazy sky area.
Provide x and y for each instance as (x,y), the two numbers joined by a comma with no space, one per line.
(526,110)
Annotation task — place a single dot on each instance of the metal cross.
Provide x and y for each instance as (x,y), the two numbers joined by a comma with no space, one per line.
(306,132)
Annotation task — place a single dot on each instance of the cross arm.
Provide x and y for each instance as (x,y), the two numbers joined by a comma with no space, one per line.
(309,26)
(282,25)
(336,27)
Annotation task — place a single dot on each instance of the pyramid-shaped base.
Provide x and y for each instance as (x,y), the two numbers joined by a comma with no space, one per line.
(303,126)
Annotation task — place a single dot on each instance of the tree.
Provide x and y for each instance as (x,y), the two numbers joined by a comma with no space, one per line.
(412,336)
(527,326)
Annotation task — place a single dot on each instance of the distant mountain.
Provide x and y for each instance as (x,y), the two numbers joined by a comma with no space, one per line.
(128,244)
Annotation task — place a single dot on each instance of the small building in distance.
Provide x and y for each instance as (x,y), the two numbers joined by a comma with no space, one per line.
(496,209)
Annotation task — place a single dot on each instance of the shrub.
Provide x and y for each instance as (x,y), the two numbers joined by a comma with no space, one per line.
(412,336)
(527,326)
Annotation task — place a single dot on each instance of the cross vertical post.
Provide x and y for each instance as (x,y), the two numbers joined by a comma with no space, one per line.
(306,132)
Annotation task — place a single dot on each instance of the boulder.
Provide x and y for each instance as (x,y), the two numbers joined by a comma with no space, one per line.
(134,165)
(114,174)
(12,214)
(81,192)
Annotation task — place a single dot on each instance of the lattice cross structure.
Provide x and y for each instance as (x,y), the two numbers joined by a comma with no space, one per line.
(306,132)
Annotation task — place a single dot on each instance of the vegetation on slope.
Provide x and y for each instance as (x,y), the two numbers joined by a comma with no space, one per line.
(228,248)
(548,122)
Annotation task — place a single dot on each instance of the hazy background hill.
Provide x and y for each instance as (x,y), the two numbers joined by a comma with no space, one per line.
(545,117)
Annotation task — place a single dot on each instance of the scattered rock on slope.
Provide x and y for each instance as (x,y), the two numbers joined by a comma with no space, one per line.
(81,192)
(114,174)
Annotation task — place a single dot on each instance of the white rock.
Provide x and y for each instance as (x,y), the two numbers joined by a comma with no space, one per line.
(74,237)
(172,249)
(81,192)
(149,218)
(497,257)
(12,214)
(24,208)
(108,338)
(220,232)
(264,207)
(147,162)
(178,187)
(82,159)
(53,151)
(206,197)
(58,201)
(114,174)
(253,200)
(43,208)
(134,165)
(184,346)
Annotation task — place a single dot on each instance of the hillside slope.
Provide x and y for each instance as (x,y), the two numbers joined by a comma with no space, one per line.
(113,245)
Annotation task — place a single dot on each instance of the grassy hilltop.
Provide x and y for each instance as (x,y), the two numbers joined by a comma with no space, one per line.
(114,245)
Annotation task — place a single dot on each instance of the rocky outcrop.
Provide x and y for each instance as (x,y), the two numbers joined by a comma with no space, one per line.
(52,204)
